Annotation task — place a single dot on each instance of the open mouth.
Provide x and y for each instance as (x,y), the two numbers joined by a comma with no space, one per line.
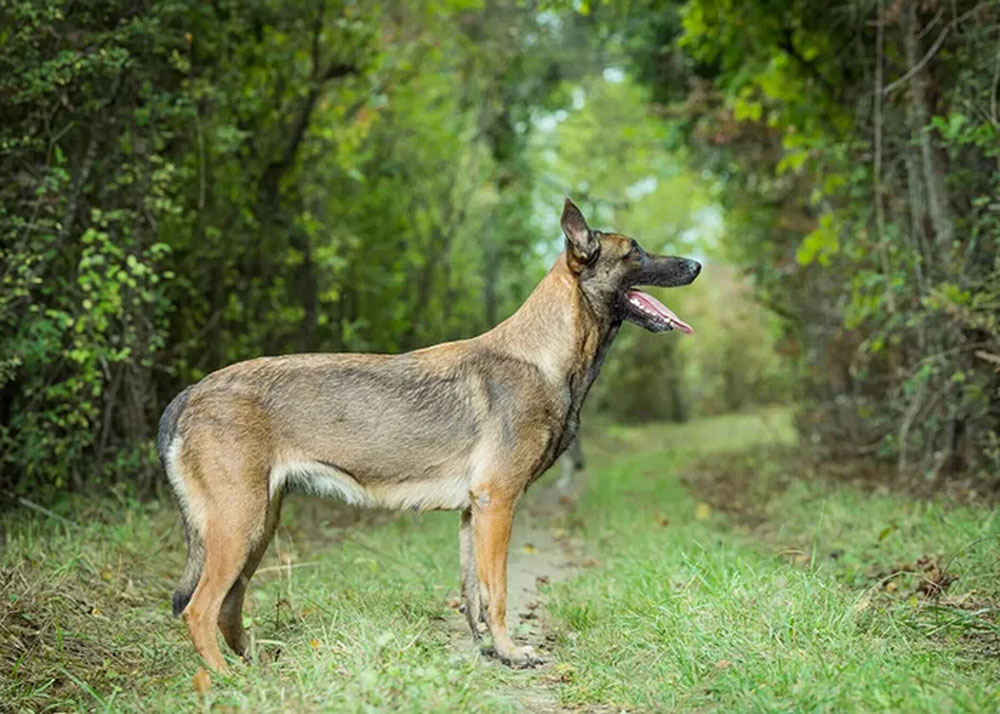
(652,314)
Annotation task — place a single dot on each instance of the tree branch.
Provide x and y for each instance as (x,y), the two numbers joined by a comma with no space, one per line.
(934,48)
(877,167)
(267,191)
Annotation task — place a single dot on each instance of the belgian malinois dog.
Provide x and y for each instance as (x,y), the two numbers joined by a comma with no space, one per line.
(464,425)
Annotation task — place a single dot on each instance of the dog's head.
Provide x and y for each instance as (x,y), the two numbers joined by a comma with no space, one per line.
(608,266)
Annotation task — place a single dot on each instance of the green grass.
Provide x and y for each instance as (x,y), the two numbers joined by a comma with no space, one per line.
(695,610)
(729,577)
(342,619)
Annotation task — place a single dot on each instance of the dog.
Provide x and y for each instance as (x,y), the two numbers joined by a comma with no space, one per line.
(465,425)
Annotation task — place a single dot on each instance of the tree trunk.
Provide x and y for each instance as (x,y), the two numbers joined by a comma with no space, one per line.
(931,159)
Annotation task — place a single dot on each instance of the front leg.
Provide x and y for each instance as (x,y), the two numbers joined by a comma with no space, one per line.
(492,518)
(471,603)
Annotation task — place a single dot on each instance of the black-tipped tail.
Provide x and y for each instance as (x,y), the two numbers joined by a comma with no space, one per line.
(192,570)
(181,599)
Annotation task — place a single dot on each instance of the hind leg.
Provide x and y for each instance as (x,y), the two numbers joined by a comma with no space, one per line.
(235,516)
(224,559)
(231,612)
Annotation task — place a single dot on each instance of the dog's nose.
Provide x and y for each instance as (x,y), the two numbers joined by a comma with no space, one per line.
(694,267)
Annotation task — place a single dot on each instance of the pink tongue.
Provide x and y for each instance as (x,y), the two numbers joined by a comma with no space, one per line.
(653,305)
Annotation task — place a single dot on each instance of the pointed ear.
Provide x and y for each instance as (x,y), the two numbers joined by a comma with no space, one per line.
(581,245)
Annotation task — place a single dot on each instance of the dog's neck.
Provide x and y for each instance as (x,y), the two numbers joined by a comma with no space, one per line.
(560,332)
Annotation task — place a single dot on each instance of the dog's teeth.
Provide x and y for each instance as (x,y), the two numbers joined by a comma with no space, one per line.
(651,313)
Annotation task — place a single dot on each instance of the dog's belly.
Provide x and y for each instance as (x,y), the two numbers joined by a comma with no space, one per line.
(449,492)
(439,492)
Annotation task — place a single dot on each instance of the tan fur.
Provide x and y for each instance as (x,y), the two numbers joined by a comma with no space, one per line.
(465,426)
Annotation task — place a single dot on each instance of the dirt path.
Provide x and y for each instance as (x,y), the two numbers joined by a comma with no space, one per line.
(541,552)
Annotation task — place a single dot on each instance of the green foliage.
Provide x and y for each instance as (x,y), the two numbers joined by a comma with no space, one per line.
(189,184)
(855,150)
(86,182)
(185,185)
(821,244)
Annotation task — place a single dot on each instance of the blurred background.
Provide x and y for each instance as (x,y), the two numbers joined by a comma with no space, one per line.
(188,184)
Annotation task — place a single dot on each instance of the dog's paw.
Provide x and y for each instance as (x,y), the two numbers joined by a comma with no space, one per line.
(516,657)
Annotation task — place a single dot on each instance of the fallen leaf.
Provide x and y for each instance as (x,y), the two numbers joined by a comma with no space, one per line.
(702,511)
(314,643)
(935,580)
(201,681)
(453,603)
(542,580)
(529,548)
(723,664)
(588,563)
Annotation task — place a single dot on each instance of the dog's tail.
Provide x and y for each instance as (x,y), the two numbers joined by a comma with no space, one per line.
(192,570)
(168,443)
